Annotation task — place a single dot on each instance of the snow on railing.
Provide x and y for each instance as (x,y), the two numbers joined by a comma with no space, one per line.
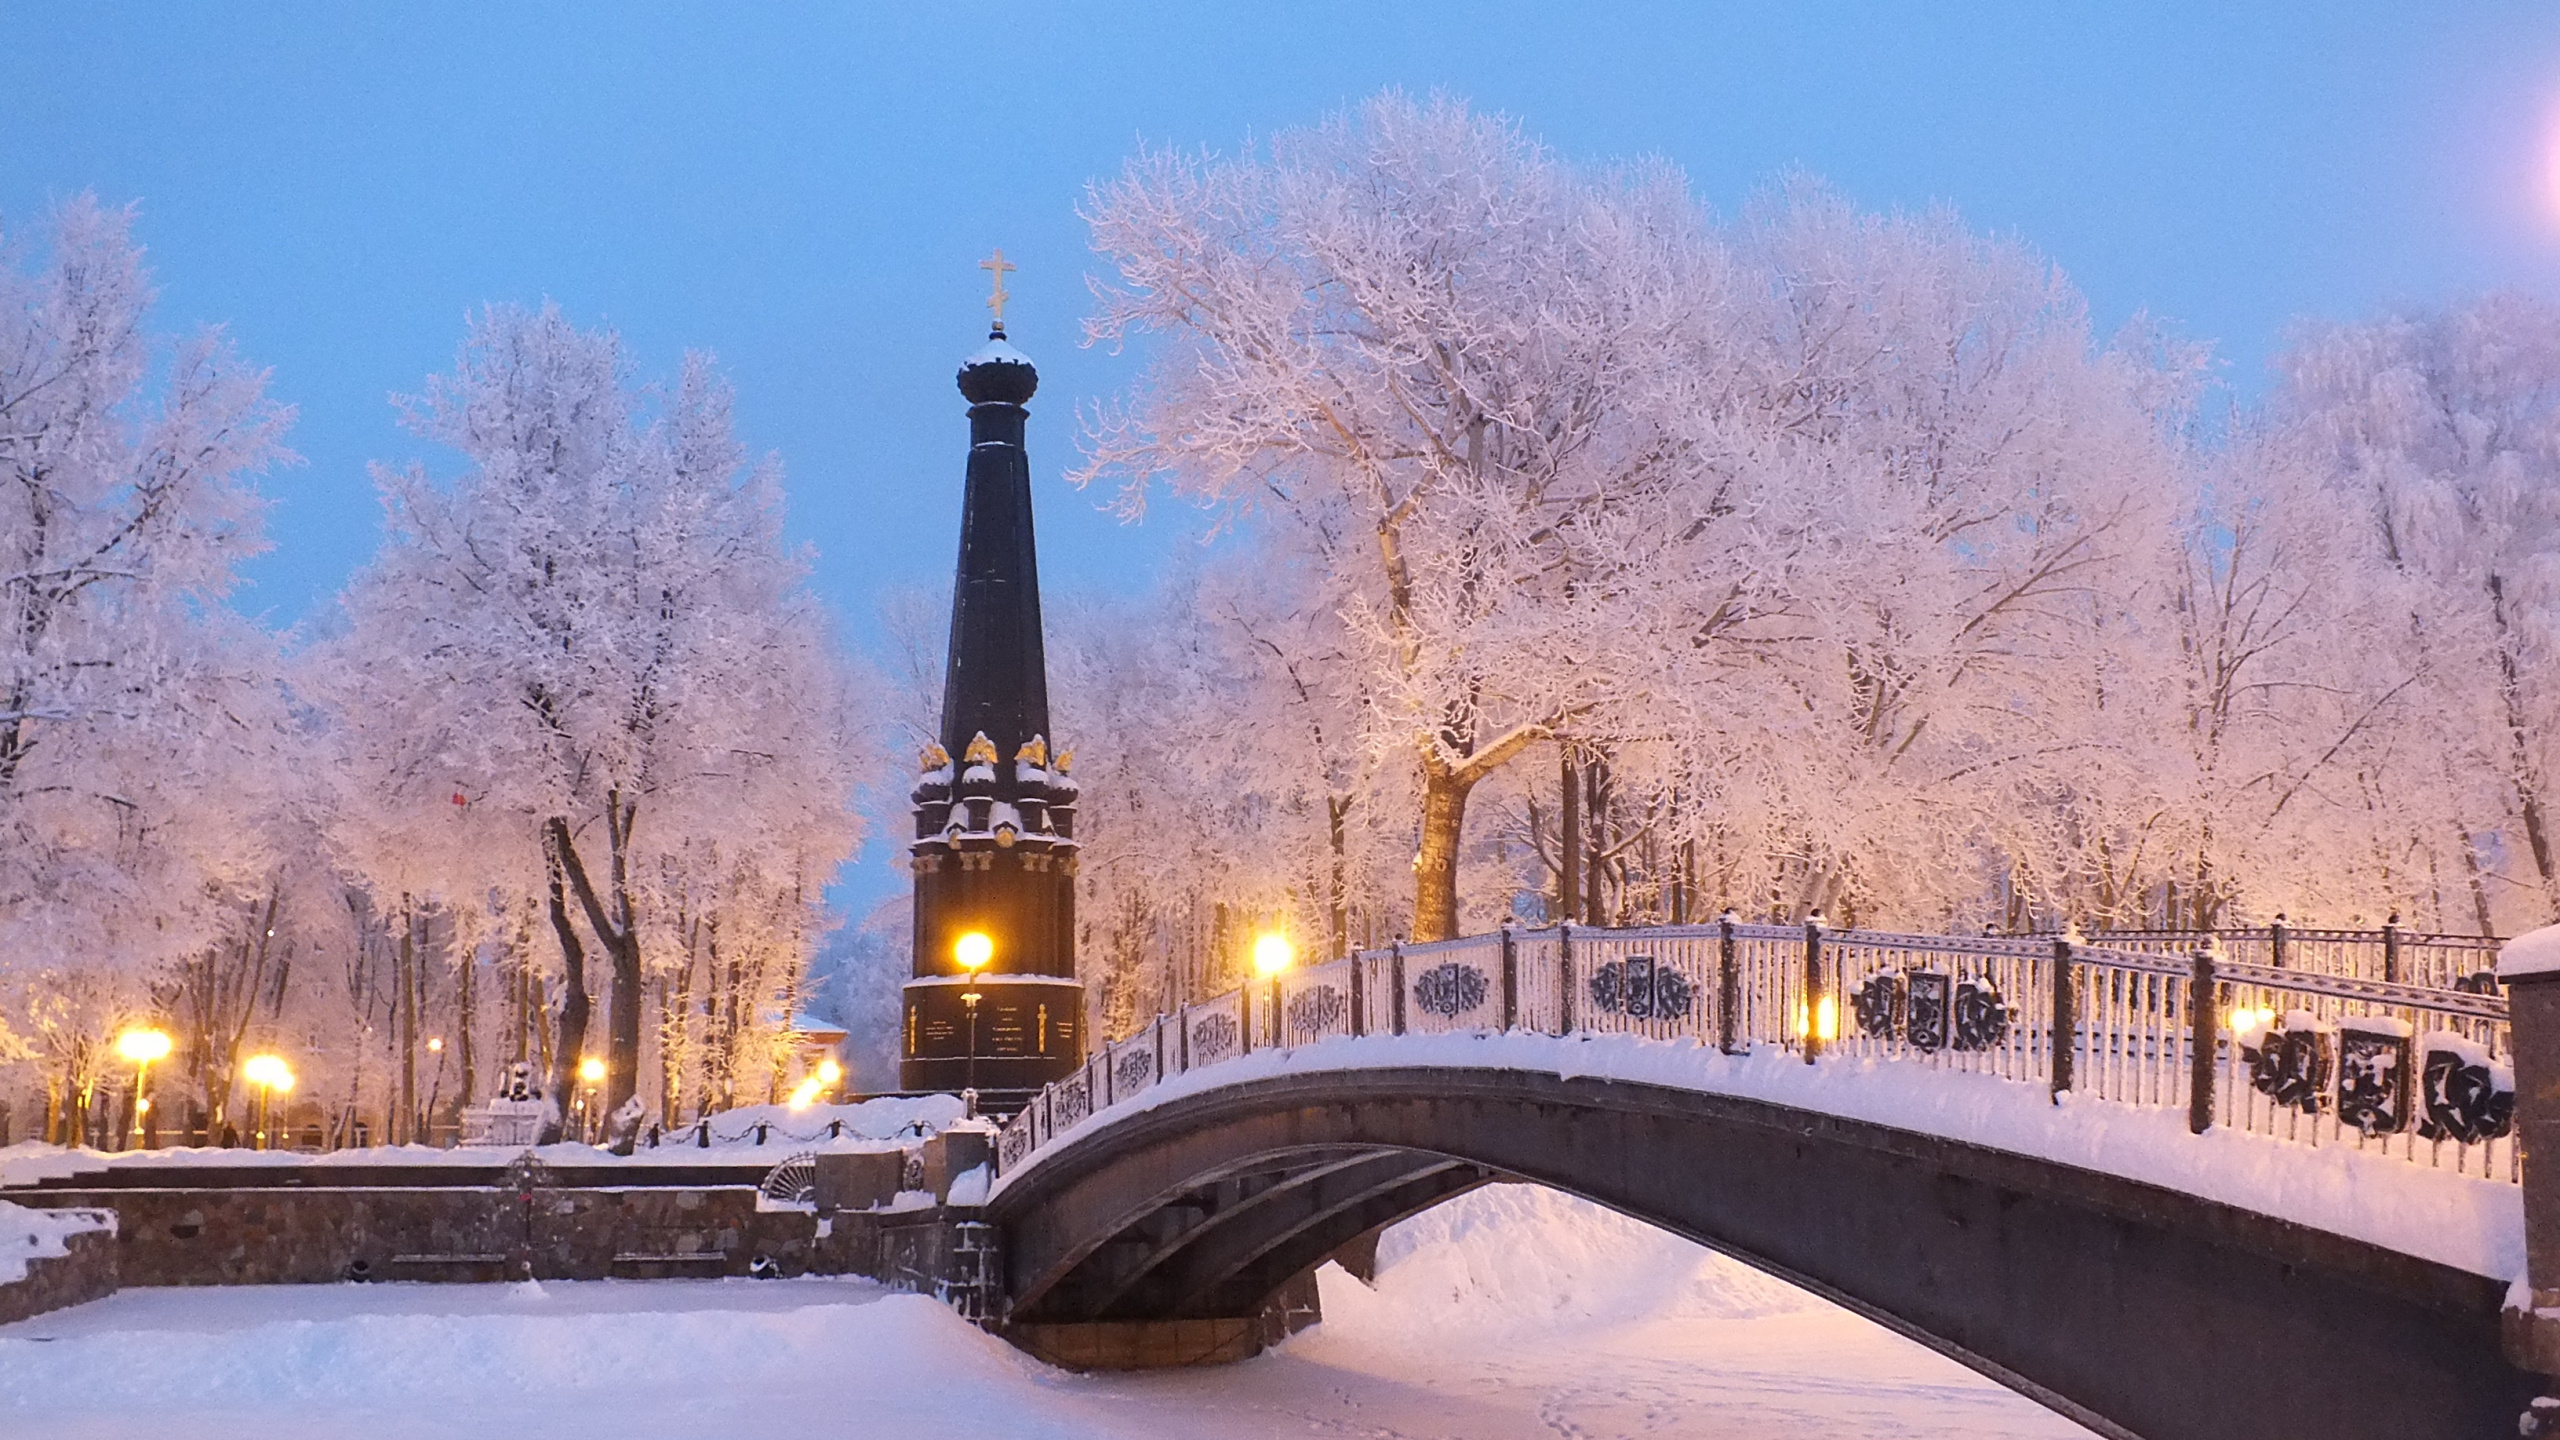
(2312,1057)
(2443,962)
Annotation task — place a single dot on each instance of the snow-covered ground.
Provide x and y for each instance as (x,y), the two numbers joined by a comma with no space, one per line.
(1511,1312)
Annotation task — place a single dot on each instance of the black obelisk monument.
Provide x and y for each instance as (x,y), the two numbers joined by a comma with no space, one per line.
(995,1004)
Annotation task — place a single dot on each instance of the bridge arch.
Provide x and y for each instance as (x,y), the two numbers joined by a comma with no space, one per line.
(2133,1309)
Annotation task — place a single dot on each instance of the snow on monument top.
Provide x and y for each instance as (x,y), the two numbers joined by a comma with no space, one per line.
(998,374)
(2535,952)
(997,351)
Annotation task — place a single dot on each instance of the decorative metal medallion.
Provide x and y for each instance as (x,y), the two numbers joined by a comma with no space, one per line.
(2463,1094)
(1642,988)
(1449,989)
(1878,1005)
(1929,995)
(2373,1077)
(2290,1065)
(1316,1012)
(1013,1142)
(1075,1100)
(1131,1072)
(1213,1037)
(1982,1017)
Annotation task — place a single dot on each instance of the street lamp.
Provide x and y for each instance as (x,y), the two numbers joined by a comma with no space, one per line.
(272,1077)
(590,1070)
(973,950)
(142,1047)
(1271,955)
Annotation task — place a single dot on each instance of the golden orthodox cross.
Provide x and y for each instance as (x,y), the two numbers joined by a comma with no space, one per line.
(1000,266)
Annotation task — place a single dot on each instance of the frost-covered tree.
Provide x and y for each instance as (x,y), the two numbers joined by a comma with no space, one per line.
(1415,333)
(2440,434)
(600,683)
(140,721)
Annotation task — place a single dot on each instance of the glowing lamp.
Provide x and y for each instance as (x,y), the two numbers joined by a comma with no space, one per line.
(143,1047)
(268,1072)
(591,1070)
(435,1045)
(805,1094)
(973,951)
(829,1072)
(1271,953)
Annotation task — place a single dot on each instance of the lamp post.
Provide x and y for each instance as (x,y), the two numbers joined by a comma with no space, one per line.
(807,1092)
(142,1047)
(973,951)
(435,1091)
(1271,955)
(272,1077)
(591,1071)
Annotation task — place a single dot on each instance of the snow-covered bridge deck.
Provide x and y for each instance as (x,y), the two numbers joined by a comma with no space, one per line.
(2132,1185)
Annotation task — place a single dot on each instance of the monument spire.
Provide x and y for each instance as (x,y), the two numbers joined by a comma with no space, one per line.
(994,1003)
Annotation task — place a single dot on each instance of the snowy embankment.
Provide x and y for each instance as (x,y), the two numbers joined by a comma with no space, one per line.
(880,1124)
(1506,1314)
(2466,1221)
(27,1234)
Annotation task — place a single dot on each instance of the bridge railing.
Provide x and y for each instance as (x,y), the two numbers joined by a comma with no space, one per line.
(2417,1072)
(2409,957)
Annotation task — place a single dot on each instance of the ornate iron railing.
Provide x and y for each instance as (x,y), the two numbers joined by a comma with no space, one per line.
(2415,1071)
(2409,957)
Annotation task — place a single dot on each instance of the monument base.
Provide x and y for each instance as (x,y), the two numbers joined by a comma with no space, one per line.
(1022,1032)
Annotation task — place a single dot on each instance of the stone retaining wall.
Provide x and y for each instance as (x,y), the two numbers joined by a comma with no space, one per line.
(303,1236)
(85,1274)
(262,1228)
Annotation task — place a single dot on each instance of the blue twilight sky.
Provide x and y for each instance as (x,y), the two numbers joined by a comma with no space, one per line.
(806,190)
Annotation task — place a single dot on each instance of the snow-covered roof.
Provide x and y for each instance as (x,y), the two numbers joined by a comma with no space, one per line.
(2535,952)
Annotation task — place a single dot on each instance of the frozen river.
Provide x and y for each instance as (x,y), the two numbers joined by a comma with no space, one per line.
(1511,1312)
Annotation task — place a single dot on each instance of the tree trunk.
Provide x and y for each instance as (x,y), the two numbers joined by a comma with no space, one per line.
(404,1122)
(1338,910)
(1435,860)
(572,1045)
(1568,838)
(1595,840)
(2523,772)
(619,934)
(466,994)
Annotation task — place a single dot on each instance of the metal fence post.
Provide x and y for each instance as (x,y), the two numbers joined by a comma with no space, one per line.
(1182,1036)
(2202,1007)
(1359,992)
(1564,977)
(2066,1018)
(2391,948)
(1510,977)
(1395,972)
(2275,941)
(1244,1018)
(1812,1036)
(1728,986)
